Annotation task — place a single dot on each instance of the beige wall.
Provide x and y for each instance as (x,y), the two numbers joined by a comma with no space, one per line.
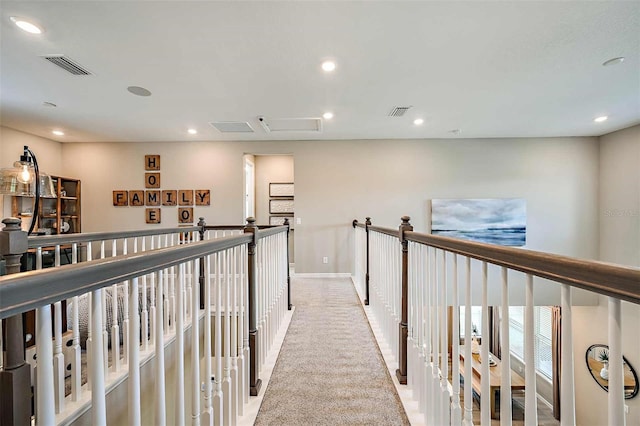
(337,181)
(619,218)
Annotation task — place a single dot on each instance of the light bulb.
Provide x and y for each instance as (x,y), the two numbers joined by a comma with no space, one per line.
(25,175)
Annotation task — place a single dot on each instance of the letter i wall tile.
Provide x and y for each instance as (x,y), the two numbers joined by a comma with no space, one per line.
(153,197)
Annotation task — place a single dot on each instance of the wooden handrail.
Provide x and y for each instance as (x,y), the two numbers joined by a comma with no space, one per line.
(387,231)
(29,290)
(53,240)
(603,278)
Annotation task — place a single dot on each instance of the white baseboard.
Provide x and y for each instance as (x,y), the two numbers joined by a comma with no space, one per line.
(322,275)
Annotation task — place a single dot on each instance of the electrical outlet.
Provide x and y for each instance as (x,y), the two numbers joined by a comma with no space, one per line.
(298,221)
(325,259)
(626,409)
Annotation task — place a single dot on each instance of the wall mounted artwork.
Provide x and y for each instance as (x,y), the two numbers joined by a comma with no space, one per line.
(281,206)
(154,197)
(501,221)
(281,190)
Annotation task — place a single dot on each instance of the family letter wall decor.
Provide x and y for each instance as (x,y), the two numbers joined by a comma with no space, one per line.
(153,197)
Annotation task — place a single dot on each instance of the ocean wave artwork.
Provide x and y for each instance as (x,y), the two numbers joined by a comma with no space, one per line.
(500,221)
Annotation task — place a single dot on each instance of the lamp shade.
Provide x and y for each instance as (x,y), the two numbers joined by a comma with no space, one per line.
(11,183)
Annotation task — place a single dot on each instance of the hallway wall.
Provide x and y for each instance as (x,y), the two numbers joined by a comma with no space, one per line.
(337,181)
(619,218)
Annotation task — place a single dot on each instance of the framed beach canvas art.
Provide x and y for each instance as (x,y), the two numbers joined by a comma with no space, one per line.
(500,221)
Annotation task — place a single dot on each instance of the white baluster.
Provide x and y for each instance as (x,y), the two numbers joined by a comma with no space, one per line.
(226,380)
(240,318)
(45,402)
(89,343)
(179,327)
(616,373)
(76,364)
(456,409)
(505,349)
(468,396)
(115,328)
(530,403)
(445,403)
(133,401)
(245,320)
(58,356)
(167,297)
(154,303)
(160,404)
(125,320)
(485,406)
(208,373)
(234,336)
(217,394)
(195,342)
(567,390)
(172,291)
(104,333)
(97,365)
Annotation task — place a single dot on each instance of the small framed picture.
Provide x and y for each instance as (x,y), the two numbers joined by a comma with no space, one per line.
(281,206)
(279,220)
(281,190)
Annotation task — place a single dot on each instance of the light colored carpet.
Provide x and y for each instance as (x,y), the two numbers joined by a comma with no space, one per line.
(330,370)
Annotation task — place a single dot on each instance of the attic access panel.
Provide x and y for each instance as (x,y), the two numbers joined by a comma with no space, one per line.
(312,124)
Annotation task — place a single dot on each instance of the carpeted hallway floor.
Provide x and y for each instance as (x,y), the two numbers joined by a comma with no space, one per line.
(330,370)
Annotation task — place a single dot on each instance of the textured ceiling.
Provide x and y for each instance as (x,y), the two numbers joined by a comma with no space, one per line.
(491,69)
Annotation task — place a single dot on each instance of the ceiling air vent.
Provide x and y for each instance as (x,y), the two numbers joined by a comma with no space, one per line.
(67,64)
(232,126)
(399,111)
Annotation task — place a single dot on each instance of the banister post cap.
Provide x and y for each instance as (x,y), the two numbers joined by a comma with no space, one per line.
(13,240)
(368,221)
(251,220)
(405,220)
(201,222)
(286,221)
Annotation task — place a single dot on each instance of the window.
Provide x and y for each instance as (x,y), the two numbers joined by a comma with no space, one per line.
(476,320)
(542,336)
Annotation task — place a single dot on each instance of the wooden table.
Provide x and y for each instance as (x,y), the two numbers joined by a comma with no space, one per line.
(495,379)
(629,382)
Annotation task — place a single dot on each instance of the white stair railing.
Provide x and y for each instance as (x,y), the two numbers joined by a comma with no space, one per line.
(162,282)
(436,269)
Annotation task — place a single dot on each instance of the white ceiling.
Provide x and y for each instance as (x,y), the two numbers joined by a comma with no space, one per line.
(491,69)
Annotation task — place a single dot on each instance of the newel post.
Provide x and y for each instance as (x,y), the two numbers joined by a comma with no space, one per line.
(252,274)
(367,224)
(288,225)
(15,379)
(201,224)
(401,372)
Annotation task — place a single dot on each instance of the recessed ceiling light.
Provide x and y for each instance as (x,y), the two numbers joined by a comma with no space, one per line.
(327,115)
(192,131)
(58,132)
(328,66)
(26,25)
(139,91)
(600,119)
(614,61)
(418,121)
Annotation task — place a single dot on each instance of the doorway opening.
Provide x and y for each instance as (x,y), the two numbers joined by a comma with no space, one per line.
(263,199)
